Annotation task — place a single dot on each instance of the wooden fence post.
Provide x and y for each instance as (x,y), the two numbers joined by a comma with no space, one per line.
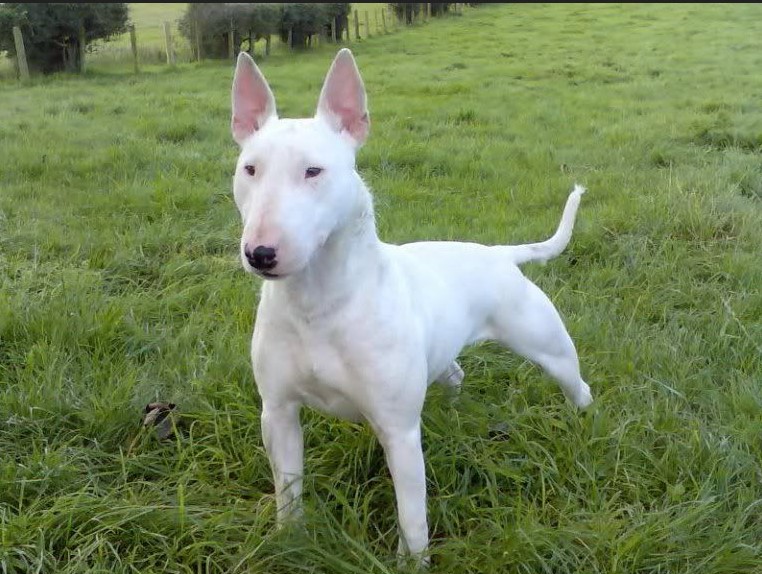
(134,47)
(231,42)
(197,39)
(383,19)
(168,44)
(335,30)
(357,26)
(367,25)
(81,38)
(21,53)
(290,38)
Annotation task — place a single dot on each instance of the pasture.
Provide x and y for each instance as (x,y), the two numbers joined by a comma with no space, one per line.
(120,284)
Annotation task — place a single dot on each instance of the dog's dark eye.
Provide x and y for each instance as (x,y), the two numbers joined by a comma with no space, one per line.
(313,172)
(250,169)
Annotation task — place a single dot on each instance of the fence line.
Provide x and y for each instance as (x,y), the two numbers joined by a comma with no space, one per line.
(23,67)
(168,44)
(134,47)
(387,14)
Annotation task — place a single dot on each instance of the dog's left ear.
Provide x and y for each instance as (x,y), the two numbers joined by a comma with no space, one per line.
(342,101)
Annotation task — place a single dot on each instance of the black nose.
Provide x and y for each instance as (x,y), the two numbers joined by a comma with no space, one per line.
(262,258)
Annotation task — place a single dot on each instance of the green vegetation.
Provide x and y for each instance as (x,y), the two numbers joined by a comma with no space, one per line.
(149,19)
(57,34)
(208,26)
(120,285)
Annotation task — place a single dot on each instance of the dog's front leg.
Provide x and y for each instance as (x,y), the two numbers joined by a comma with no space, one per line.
(404,455)
(284,443)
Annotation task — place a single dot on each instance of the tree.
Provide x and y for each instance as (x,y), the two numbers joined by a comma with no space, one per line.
(300,21)
(336,15)
(258,21)
(54,33)
(214,22)
(439,8)
(406,11)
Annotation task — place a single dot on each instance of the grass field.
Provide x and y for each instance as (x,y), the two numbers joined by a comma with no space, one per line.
(120,284)
(148,19)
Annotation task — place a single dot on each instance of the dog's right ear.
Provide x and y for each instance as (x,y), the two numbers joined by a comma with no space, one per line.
(253,102)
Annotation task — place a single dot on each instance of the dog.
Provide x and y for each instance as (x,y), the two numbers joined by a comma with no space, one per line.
(356,327)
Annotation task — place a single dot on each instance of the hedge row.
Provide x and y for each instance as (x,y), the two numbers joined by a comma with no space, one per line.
(208,26)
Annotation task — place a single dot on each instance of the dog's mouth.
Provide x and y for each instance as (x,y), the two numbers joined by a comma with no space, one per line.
(263,274)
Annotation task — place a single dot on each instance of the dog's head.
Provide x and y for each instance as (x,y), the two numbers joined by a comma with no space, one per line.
(294,178)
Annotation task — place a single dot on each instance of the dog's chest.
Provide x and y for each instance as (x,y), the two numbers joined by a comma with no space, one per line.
(331,382)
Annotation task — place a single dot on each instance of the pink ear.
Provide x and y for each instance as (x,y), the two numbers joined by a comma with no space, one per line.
(342,101)
(253,102)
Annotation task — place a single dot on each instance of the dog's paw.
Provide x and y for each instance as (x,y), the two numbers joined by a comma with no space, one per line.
(584,397)
(415,562)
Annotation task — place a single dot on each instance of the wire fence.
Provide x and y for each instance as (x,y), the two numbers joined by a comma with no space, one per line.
(168,47)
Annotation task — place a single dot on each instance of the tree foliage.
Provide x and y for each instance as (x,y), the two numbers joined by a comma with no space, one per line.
(304,20)
(439,8)
(408,11)
(209,25)
(53,33)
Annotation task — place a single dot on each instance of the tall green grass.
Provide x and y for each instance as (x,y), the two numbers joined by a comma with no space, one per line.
(120,285)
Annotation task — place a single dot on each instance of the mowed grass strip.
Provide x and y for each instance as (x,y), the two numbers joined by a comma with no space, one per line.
(121,285)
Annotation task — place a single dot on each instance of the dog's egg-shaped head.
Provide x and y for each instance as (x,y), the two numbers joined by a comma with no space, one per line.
(294,178)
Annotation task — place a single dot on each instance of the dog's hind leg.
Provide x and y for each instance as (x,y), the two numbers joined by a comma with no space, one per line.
(534,330)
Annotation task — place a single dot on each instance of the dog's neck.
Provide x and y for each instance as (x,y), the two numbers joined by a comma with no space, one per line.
(338,270)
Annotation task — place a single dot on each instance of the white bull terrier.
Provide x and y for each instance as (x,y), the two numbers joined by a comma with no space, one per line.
(356,327)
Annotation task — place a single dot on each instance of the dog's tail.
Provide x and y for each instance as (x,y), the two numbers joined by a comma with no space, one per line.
(555,245)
